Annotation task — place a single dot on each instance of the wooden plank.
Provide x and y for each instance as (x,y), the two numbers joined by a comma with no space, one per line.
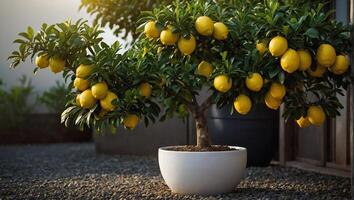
(351,103)
(282,145)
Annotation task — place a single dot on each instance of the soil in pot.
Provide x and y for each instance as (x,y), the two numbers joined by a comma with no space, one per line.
(191,148)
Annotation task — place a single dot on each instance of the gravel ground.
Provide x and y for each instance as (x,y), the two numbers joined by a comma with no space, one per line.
(74,171)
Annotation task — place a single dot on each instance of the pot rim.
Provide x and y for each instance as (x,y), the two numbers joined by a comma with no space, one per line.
(167,149)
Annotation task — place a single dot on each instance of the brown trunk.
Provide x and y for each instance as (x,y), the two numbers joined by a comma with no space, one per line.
(202,130)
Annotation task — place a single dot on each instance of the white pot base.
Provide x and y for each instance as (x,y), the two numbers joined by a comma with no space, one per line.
(202,173)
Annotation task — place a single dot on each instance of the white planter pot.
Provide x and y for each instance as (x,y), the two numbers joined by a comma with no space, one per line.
(202,173)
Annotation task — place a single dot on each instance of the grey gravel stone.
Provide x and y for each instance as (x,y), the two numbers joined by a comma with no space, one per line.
(75,171)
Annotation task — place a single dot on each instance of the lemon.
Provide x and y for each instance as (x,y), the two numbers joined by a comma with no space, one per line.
(242,104)
(305,60)
(131,121)
(205,69)
(81,84)
(167,37)
(83,71)
(254,82)
(290,61)
(222,83)
(145,90)
(316,115)
(271,102)
(106,103)
(303,122)
(326,55)
(87,100)
(340,66)
(99,90)
(42,61)
(277,91)
(220,31)
(56,64)
(261,47)
(319,71)
(187,46)
(278,46)
(204,26)
(77,100)
(151,30)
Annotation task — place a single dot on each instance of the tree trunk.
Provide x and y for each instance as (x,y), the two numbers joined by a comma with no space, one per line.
(202,130)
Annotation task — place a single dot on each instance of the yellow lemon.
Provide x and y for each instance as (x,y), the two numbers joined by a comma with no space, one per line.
(81,84)
(167,37)
(278,46)
(303,122)
(254,82)
(277,91)
(131,121)
(261,47)
(222,83)
(145,90)
(151,30)
(242,104)
(42,61)
(204,26)
(316,115)
(83,71)
(271,102)
(87,100)
(187,46)
(319,71)
(77,100)
(340,66)
(106,103)
(56,64)
(220,31)
(326,55)
(305,60)
(205,69)
(290,61)
(99,90)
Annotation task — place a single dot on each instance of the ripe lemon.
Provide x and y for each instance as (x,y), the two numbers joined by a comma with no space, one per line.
(56,64)
(131,121)
(42,61)
(167,37)
(187,46)
(205,69)
(99,90)
(278,46)
(204,26)
(319,71)
(220,31)
(106,103)
(77,100)
(254,82)
(271,102)
(316,115)
(222,83)
(81,84)
(303,122)
(145,90)
(261,47)
(340,66)
(290,61)
(305,60)
(277,91)
(83,71)
(87,100)
(326,55)
(242,104)
(151,30)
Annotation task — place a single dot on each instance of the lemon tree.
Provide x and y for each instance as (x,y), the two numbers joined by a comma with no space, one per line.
(244,53)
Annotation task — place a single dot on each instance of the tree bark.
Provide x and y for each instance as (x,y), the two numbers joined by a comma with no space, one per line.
(199,113)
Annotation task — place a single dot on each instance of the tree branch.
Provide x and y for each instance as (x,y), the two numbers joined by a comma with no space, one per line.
(206,104)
